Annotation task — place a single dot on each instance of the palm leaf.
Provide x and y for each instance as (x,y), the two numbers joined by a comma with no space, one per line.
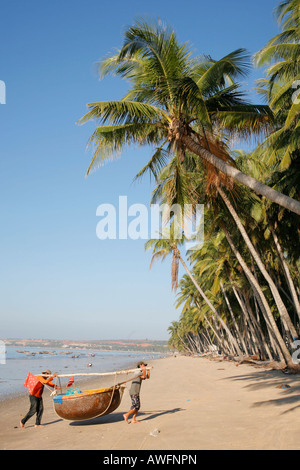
(109,141)
(213,74)
(156,163)
(117,112)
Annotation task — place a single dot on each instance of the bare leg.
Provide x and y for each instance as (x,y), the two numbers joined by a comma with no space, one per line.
(126,415)
(134,420)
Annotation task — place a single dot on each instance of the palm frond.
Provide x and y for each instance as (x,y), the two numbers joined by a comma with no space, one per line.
(109,141)
(126,68)
(156,163)
(123,112)
(211,74)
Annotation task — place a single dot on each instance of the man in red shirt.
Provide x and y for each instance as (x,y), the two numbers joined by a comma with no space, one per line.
(36,400)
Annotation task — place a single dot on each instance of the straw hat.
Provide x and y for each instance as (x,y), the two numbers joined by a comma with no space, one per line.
(140,363)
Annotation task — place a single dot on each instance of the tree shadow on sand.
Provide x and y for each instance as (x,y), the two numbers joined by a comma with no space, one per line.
(288,384)
(117,417)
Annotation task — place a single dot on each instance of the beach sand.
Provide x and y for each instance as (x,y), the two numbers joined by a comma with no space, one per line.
(188,404)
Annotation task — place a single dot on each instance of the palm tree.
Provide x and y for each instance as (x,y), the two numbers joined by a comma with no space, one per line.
(176,341)
(215,263)
(189,108)
(287,272)
(266,309)
(187,298)
(280,88)
(174,103)
(161,248)
(280,304)
(170,189)
(219,267)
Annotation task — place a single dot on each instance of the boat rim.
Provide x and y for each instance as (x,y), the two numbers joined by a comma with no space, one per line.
(86,393)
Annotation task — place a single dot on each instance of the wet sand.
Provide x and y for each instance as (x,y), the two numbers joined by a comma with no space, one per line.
(188,404)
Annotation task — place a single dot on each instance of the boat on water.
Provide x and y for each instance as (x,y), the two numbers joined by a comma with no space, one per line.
(88,404)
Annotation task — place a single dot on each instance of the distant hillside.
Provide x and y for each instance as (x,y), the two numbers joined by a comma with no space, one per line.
(111,345)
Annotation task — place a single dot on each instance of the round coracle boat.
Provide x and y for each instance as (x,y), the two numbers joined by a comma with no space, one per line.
(88,404)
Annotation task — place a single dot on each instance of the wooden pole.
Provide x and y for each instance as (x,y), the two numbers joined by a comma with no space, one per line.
(119,372)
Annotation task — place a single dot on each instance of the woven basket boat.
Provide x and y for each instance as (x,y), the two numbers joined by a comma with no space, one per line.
(88,404)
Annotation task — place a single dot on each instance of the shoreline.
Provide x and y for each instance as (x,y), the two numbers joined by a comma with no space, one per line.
(16,368)
(126,351)
(189,403)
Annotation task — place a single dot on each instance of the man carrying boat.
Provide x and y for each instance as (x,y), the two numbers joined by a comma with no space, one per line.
(135,392)
(35,386)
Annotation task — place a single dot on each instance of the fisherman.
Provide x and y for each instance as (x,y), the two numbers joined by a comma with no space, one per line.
(36,400)
(134,392)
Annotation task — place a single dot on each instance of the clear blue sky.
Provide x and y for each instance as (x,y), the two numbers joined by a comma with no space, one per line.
(57,279)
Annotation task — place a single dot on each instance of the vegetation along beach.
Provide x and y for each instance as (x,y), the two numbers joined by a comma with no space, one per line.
(216,130)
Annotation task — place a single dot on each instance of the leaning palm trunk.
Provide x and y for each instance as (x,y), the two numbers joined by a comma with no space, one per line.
(273,341)
(216,329)
(193,347)
(234,320)
(225,346)
(182,342)
(287,273)
(207,301)
(280,305)
(270,318)
(202,343)
(198,343)
(259,305)
(211,327)
(238,176)
(207,337)
(244,309)
(260,334)
(208,334)
(217,336)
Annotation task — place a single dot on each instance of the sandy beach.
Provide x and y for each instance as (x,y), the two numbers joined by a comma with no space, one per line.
(188,404)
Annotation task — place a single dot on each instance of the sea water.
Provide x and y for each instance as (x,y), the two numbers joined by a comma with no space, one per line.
(16,366)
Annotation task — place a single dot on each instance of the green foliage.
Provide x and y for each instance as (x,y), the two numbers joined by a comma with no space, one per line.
(173,95)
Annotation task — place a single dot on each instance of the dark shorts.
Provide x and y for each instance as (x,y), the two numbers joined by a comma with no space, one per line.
(135,402)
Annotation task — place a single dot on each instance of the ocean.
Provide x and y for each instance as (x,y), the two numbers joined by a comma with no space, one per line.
(16,366)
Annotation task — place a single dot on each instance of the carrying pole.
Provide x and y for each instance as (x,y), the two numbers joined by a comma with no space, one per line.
(120,372)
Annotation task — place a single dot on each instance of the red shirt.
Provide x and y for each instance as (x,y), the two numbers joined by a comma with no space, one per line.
(39,392)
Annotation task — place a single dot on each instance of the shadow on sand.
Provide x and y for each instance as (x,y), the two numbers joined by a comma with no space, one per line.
(288,384)
(115,417)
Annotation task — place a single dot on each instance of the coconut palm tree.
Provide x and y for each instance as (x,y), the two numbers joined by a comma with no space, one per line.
(176,340)
(174,103)
(280,304)
(220,268)
(160,249)
(266,309)
(169,189)
(281,86)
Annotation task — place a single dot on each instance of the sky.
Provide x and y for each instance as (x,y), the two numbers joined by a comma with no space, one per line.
(57,279)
